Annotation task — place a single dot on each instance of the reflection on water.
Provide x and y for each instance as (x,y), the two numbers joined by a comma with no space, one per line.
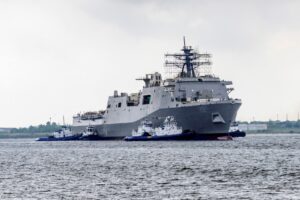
(255,167)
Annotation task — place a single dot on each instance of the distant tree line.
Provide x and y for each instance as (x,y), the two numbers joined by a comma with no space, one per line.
(42,128)
(277,124)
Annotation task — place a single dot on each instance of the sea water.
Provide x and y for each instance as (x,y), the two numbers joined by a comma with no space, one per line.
(259,166)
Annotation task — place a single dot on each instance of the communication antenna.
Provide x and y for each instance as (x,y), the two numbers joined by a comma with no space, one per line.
(188,62)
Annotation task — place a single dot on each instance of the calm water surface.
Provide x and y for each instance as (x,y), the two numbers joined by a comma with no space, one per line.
(255,167)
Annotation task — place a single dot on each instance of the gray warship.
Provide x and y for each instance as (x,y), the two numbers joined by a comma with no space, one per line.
(199,102)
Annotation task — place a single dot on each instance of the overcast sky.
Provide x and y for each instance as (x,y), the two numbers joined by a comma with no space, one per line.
(61,57)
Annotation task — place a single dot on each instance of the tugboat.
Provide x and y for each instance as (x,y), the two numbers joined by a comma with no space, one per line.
(234,130)
(169,127)
(90,133)
(63,134)
(168,131)
(145,129)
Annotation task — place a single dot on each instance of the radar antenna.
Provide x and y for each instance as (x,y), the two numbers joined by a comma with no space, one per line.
(188,61)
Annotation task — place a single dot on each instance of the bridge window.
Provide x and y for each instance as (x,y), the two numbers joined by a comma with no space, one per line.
(146,99)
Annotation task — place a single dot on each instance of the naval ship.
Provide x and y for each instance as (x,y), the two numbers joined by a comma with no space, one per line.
(199,102)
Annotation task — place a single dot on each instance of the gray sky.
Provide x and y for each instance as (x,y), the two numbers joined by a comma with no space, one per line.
(62,57)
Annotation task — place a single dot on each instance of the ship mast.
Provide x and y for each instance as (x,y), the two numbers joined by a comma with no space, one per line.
(188,61)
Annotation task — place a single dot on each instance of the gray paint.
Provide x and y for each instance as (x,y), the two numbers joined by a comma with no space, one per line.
(195,118)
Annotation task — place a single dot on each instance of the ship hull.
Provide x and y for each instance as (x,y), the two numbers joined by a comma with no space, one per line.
(197,119)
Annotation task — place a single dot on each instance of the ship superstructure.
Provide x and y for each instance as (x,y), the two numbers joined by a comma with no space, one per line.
(88,118)
(198,102)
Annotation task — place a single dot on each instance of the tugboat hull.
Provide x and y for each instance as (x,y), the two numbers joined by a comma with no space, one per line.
(182,136)
(237,133)
(70,138)
(96,137)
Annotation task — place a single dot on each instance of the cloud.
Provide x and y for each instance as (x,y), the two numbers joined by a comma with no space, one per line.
(62,57)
